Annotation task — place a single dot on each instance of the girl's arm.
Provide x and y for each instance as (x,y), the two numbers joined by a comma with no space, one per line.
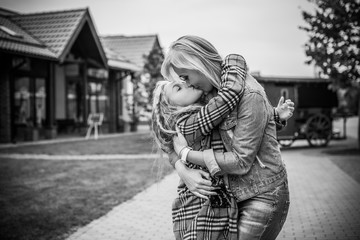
(197,125)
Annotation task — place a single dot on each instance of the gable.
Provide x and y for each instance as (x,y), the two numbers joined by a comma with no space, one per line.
(132,48)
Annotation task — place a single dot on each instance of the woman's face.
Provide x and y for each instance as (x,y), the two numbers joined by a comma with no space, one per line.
(194,78)
(180,94)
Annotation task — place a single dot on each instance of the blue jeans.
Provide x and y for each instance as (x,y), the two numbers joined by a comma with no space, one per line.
(263,216)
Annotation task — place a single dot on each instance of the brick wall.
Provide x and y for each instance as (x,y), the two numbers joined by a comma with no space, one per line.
(5,111)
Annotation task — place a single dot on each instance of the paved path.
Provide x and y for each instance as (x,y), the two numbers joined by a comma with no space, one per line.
(146,216)
(324,206)
(324,200)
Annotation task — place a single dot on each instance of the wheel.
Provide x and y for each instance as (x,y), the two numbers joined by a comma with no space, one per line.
(318,130)
(286,142)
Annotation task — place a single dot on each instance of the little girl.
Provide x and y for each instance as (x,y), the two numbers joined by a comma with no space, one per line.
(196,217)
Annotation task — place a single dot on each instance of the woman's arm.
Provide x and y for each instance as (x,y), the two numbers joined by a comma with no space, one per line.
(197,181)
(207,158)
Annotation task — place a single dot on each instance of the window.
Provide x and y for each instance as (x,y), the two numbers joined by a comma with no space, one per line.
(284,92)
(74,97)
(10,32)
(29,101)
(98,100)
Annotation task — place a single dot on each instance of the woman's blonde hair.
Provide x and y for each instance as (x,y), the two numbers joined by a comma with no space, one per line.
(194,53)
(164,117)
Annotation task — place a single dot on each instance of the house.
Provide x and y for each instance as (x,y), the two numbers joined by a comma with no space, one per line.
(54,73)
(134,49)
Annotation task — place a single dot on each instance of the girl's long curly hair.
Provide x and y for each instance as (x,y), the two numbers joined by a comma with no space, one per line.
(188,52)
(164,117)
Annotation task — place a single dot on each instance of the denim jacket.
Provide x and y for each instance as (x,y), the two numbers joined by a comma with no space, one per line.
(252,163)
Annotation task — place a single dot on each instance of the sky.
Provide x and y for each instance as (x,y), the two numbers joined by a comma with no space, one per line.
(265,32)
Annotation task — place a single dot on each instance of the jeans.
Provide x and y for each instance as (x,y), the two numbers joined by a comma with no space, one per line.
(263,216)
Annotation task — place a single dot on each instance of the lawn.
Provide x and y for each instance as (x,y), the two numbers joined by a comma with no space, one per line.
(127,144)
(51,199)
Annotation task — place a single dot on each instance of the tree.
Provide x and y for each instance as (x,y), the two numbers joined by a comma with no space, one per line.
(152,66)
(144,83)
(334,44)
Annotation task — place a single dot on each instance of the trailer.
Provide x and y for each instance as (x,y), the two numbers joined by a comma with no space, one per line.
(315,105)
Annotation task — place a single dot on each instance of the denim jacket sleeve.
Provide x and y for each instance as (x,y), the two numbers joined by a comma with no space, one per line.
(247,136)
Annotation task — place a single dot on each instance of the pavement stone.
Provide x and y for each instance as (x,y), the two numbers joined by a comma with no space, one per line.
(324,200)
(145,216)
(324,206)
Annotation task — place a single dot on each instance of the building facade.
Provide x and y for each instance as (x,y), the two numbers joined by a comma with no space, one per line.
(55,72)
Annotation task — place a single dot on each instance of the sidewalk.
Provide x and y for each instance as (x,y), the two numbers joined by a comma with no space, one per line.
(324,206)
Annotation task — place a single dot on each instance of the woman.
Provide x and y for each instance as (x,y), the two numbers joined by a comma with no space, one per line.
(193,216)
(252,163)
(165,116)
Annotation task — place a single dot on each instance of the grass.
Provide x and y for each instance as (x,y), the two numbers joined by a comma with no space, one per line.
(127,144)
(51,199)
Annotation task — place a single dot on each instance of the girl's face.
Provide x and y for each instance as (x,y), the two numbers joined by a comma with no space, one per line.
(180,94)
(194,78)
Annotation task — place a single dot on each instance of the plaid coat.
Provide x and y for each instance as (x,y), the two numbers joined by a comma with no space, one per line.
(216,218)
(198,218)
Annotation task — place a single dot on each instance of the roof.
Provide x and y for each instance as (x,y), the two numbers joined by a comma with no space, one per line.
(263,79)
(48,34)
(23,43)
(133,48)
(116,61)
(54,29)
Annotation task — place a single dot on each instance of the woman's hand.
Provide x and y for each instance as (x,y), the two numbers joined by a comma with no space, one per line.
(197,181)
(285,109)
(179,142)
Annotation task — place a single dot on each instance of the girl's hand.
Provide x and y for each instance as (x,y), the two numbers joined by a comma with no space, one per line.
(179,141)
(197,181)
(285,109)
